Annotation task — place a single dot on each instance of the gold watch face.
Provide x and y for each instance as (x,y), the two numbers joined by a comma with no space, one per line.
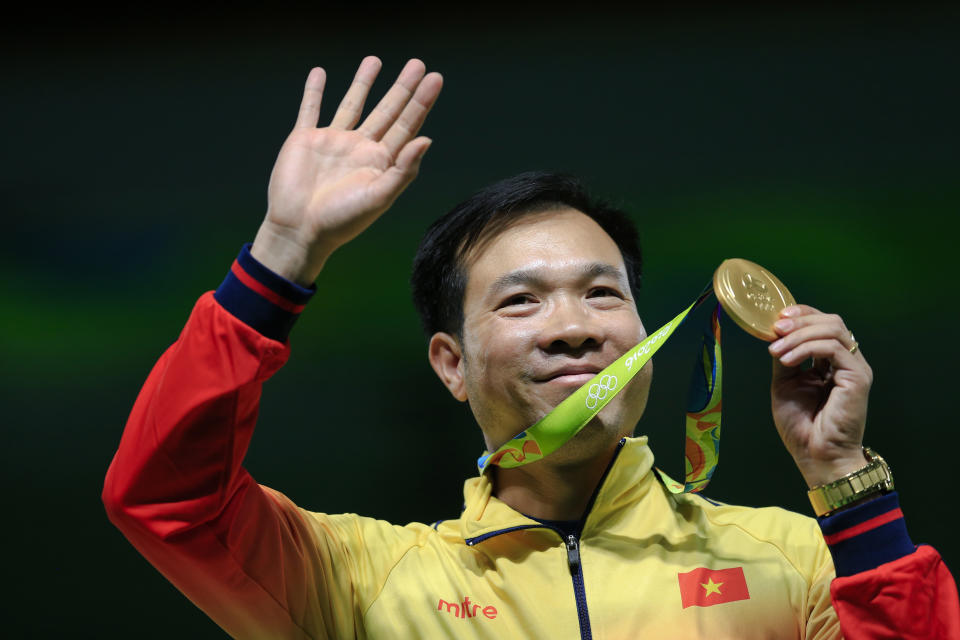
(751,295)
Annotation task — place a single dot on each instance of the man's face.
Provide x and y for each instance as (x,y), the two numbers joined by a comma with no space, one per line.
(547,306)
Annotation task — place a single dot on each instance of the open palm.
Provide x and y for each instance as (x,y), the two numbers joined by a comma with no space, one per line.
(329,184)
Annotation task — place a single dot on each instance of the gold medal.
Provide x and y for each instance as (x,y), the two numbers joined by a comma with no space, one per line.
(751,295)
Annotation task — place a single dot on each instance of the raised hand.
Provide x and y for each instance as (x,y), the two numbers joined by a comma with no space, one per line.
(820,411)
(329,184)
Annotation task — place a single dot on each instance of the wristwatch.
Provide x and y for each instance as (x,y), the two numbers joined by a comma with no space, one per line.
(873,479)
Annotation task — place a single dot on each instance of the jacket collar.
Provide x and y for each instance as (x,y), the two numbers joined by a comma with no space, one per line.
(627,481)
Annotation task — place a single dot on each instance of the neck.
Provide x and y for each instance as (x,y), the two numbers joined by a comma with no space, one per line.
(557,491)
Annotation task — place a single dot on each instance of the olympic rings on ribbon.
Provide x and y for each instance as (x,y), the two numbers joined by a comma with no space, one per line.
(598,390)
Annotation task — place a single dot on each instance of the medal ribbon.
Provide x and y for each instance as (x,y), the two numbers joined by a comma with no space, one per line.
(570,416)
(702,441)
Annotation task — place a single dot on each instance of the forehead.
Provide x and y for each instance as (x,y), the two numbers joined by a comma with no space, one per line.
(554,241)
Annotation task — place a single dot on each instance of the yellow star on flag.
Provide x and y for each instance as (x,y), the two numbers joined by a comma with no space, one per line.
(712,587)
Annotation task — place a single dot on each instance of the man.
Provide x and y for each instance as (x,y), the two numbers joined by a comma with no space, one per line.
(527,291)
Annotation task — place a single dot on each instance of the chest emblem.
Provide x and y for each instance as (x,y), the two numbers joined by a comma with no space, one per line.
(706,587)
(463,609)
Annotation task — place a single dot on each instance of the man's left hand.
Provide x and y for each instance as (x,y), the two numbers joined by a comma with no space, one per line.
(820,410)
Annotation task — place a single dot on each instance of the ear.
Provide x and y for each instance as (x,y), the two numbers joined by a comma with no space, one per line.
(447,361)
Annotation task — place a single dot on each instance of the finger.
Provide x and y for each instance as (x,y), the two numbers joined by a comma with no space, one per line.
(411,119)
(392,103)
(795,331)
(405,169)
(408,160)
(312,94)
(796,310)
(830,349)
(781,371)
(348,113)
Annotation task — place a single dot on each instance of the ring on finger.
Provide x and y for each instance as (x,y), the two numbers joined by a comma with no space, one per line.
(856,345)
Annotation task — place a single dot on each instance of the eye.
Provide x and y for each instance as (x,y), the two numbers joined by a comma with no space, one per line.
(517,300)
(600,292)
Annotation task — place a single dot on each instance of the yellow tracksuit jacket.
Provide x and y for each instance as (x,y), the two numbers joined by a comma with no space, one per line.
(264,568)
(494,573)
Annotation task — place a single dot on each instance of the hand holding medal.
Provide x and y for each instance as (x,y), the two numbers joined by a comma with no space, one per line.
(820,411)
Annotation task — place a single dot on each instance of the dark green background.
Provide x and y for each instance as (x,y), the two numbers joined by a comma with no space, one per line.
(821,143)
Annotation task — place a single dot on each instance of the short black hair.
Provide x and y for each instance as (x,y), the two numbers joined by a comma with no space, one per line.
(439,278)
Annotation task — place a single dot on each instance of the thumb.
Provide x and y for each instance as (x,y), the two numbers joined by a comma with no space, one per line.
(781,371)
(408,160)
(405,169)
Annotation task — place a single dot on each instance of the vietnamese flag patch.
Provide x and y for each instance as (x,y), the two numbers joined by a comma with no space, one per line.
(705,587)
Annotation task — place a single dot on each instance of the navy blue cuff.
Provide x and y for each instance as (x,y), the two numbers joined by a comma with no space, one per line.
(260,298)
(867,535)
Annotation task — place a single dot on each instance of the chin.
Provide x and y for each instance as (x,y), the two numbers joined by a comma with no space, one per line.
(597,438)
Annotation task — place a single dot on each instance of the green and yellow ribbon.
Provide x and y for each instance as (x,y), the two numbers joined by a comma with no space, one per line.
(702,447)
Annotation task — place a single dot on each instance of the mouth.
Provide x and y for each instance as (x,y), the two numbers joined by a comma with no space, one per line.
(571,376)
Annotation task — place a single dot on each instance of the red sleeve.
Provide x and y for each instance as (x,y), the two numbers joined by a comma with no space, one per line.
(176,487)
(914,597)
(887,588)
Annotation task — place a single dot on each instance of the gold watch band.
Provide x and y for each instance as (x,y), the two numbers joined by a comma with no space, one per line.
(874,478)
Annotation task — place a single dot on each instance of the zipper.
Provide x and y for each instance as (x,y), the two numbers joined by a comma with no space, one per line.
(486,536)
(576,572)
(572,542)
(573,555)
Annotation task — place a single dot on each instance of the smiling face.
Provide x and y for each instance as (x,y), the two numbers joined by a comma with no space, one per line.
(547,305)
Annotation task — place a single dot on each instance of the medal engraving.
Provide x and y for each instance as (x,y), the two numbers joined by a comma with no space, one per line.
(756,292)
(751,295)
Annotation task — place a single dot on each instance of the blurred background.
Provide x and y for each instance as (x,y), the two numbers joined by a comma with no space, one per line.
(818,141)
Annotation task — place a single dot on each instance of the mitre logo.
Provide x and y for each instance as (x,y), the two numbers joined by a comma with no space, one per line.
(467,609)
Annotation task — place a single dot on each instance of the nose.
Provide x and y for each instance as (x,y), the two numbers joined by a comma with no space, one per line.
(570,327)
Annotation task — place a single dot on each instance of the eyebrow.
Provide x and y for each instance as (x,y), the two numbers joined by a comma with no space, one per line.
(537,277)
